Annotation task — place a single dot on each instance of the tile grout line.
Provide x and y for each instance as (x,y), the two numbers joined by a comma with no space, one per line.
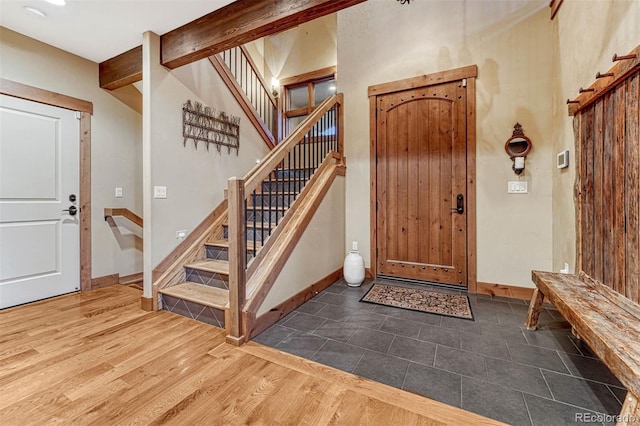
(528,411)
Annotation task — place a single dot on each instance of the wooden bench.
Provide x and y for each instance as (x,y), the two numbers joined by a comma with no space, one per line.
(607,321)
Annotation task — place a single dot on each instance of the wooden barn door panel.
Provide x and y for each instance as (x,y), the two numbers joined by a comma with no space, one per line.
(632,189)
(609,183)
(617,197)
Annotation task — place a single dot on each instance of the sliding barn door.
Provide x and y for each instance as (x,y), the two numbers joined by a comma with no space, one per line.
(609,188)
(421,216)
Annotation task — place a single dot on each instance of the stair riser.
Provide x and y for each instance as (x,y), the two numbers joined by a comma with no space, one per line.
(222,253)
(262,216)
(270,201)
(218,253)
(259,234)
(193,310)
(288,186)
(293,173)
(210,279)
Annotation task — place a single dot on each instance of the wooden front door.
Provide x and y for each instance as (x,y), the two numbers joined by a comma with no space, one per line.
(421,174)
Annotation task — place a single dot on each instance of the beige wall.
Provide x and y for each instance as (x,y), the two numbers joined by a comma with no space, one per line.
(319,252)
(584,40)
(195,178)
(381,41)
(308,47)
(115,142)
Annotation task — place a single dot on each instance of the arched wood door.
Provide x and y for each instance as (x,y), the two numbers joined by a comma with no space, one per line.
(421,176)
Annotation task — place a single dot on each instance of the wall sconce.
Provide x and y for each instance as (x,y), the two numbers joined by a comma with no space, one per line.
(517,147)
(275,86)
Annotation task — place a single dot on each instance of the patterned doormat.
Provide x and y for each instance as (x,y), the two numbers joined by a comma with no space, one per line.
(451,305)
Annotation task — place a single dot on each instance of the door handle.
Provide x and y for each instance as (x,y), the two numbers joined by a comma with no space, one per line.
(73,210)
(459,204)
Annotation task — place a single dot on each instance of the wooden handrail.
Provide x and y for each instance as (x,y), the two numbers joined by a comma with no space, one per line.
(117,211)
(266,166)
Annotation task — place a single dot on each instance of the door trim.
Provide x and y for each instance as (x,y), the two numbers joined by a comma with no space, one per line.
(85,108)
(470,73)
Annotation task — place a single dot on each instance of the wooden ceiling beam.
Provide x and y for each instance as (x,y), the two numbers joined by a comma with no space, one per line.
(121,70)
(233,25)
(238,23)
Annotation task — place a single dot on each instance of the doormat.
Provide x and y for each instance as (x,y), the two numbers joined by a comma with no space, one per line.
(451,305)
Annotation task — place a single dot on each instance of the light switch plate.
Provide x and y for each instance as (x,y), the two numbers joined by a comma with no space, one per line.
(118,192)
(181,235)
(159,192)
(518,187)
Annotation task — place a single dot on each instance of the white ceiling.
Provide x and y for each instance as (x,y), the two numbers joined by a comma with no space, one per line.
(100,29)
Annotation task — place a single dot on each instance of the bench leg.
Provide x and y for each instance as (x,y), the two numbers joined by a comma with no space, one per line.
(630,414)
(534,309)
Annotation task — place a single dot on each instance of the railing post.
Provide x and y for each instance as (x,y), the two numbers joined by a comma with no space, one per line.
(237,260)
(340,129)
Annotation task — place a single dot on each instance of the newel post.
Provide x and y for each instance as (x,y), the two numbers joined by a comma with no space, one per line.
(237,260)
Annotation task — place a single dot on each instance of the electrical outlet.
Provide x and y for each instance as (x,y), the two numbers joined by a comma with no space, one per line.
(518,187)
(159,192)
(181,235)
(118,192)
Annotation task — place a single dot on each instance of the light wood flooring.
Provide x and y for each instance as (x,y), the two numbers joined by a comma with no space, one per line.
(97,358)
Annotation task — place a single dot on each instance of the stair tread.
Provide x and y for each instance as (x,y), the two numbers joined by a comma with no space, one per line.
(198,293)
(225,243)
(211,265)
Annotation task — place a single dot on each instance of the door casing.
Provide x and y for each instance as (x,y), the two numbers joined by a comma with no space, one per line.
(85,109)
(469,73)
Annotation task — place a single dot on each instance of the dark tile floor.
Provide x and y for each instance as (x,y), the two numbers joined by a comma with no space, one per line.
(492,366)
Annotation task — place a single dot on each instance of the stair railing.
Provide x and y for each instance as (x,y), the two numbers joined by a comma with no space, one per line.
(245,72)
(272,187)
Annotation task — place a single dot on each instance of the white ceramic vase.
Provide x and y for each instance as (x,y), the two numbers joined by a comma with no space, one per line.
(354,267)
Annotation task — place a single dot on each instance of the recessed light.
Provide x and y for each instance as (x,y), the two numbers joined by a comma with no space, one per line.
(57,2)
(33,11)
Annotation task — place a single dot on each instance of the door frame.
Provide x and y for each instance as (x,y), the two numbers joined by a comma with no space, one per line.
(470,73)
(85,109)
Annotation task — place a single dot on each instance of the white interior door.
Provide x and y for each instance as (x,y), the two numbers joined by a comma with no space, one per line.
(39,173)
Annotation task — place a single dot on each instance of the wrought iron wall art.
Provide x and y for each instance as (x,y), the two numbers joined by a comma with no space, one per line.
(204,124)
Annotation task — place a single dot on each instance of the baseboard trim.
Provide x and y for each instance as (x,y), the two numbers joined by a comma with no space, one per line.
(505,290)
(368,273)
(146,303)
(104,281)
(267,319)
(130,279)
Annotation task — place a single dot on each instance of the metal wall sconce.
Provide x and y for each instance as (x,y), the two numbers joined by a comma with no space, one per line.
(517,147)
(275,86)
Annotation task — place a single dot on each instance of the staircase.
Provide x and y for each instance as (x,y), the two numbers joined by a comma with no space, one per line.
(204,294)
(260,221)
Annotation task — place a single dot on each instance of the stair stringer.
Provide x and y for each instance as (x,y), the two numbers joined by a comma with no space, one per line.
(261,282)
(171,270)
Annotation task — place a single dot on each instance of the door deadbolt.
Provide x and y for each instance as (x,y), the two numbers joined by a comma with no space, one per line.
(72,198)
(459,204)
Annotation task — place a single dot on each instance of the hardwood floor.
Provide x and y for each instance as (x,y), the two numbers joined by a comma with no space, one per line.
(97,358)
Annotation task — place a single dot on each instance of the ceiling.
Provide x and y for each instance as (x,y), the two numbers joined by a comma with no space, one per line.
(101,29)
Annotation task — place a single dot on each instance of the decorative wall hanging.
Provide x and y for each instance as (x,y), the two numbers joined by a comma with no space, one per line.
(203,124)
